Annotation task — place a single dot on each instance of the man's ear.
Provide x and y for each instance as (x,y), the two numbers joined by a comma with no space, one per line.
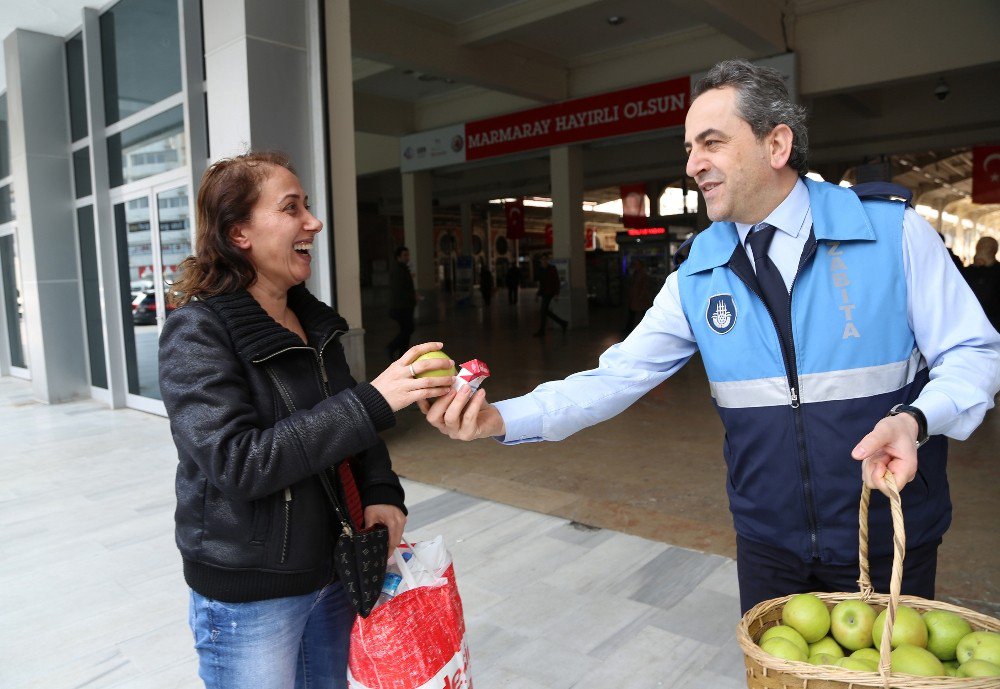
(238,238)
(779,146)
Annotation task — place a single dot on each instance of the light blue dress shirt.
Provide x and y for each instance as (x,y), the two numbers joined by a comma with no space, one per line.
(961,347)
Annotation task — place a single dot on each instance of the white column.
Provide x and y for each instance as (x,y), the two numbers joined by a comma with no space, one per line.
(418,233)
(40,164)
(343,168)
(566,170)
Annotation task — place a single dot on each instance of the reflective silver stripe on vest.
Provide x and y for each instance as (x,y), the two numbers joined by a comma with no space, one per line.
(820,387)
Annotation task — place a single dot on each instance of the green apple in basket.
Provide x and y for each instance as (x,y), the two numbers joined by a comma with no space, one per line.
(786,633)
(808,615)
(979,646)
(780,647)
(908,629)
(851,624)
(858,664)
(915,660)
(869,654)
(978,668)
(944,630)
(951,668)
(826,645)
(823,659)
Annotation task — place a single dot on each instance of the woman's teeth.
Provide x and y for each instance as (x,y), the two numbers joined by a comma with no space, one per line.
(303,247)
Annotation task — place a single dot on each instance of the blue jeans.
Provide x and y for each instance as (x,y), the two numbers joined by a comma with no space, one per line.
(300,641)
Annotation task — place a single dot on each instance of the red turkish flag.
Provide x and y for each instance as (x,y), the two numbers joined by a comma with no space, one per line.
(986,174)
(633,205)
(514,210)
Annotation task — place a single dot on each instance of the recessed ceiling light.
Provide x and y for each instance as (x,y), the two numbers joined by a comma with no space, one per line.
(616,20)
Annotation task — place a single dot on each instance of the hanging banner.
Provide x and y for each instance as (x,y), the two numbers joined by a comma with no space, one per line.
(514,211)
(633,205)
(986,174)
(605,115)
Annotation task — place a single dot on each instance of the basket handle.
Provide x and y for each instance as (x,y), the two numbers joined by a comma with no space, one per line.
(896,576)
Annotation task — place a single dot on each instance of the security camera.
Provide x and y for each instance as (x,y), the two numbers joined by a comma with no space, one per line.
(942,90)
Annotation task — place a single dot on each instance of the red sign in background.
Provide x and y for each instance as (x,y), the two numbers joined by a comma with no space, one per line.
(986,174)
(639,109)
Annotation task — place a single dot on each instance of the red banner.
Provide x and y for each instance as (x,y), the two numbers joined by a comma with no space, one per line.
(639,109)
(986,174)
(633,205)
(514,210)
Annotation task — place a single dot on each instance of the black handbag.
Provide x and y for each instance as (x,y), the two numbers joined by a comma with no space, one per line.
(359,555)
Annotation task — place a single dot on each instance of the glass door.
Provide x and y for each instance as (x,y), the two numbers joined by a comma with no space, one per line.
(154,235)
(10,270)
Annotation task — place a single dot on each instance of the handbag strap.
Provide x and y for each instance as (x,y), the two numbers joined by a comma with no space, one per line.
(351,495)
(331,493)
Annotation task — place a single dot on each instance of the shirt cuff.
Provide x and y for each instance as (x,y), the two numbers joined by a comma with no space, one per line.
(522,420)
(376,406)
(939,410)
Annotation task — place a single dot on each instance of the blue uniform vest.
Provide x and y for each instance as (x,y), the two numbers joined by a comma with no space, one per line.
(794,411)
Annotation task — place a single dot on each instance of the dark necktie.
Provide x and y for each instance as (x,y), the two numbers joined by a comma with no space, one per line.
(772,285)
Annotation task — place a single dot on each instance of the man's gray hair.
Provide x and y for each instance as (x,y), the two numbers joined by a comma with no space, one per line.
(762,100)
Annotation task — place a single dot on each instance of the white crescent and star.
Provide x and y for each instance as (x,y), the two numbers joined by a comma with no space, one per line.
(995,177)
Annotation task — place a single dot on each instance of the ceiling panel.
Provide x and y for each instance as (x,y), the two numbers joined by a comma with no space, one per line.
(404,85)
(586,30)
(453,11)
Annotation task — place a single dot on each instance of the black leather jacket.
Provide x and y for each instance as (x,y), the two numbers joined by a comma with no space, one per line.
(256,416)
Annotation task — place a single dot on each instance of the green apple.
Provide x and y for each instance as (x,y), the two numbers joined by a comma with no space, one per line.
(944,631)
(783,648)
(869,654)
(787,633)
(851,624)
(858,664)
(915,660)
(826,645)
(909,628)
(808,615)
(438,354)
(822,659)
(979,646)
(951,667)
(978,668)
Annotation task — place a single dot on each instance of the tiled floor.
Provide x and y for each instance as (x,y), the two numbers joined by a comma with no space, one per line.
(91,593)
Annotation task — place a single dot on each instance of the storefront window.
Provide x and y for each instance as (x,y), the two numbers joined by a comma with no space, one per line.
(77,88)
(7,210)
(140,47)
(92,296)
(81,172)
(148,148)
(4,138)
(13,300)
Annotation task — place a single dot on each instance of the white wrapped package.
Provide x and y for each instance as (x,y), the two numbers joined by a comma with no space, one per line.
(473,373)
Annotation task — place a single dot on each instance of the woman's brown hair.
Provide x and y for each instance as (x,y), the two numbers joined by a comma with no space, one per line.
(229,189)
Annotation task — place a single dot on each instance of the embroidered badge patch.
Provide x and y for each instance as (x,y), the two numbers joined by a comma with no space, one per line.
(721,313)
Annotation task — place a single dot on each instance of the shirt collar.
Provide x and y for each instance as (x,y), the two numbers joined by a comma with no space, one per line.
(790,216)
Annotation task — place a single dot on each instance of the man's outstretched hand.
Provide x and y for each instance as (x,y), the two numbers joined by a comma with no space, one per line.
(463,415)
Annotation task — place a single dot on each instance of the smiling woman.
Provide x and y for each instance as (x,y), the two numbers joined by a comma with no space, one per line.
(274,437)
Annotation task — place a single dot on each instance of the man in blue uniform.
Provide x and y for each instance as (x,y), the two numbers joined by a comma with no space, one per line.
(837,336)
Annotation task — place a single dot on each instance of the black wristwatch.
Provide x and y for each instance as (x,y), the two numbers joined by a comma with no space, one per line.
(918,415)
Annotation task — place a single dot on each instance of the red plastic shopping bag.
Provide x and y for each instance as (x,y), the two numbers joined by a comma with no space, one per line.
(416,640)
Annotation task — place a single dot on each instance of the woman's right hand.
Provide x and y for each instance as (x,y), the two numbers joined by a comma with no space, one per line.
(401,389)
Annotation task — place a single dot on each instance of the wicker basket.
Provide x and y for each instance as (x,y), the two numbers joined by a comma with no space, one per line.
(765,671)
